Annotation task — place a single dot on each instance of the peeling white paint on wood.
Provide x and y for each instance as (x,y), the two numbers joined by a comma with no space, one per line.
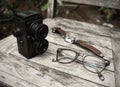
(14,81)
(71,75)
(27,72)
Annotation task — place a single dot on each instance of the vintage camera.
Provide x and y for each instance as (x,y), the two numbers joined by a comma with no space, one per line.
(30,33)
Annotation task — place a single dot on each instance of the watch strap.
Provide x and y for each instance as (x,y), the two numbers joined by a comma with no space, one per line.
(89,47)
(59,31)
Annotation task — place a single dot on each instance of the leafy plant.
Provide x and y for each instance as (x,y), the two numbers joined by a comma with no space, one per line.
(108,13)
(65,10)
(6,14)
(40,4)
(43,4)
(6,10)
(8,7)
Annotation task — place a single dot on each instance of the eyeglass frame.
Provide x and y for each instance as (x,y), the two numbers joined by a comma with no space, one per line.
(106,62)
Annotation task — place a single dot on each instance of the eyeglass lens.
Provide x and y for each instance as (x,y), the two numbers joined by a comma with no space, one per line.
(94,64)
(66,56)
(91,63)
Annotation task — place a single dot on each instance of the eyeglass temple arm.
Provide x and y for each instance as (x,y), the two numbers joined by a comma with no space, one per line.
(89,47)
(101,77)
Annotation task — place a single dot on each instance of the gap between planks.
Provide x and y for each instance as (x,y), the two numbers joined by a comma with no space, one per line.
(53,46)
(39,74)
(61,39)
(39,59)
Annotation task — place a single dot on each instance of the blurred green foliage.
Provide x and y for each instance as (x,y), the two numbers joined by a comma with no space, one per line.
(40,4)
(43,4)
(8,7)
(108,14)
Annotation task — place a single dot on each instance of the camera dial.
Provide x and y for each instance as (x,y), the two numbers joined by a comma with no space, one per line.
(16,32)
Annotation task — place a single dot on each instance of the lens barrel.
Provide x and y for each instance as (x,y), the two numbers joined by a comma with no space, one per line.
(38,31)
(41,46)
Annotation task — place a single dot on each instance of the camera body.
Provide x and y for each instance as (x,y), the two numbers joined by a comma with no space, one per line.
(30,33)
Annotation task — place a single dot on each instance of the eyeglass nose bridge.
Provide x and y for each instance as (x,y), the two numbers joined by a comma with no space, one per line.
(82,54)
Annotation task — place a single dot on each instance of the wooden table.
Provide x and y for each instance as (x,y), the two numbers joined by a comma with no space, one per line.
(40,71)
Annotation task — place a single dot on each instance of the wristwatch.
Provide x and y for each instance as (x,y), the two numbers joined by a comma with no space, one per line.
(80,43)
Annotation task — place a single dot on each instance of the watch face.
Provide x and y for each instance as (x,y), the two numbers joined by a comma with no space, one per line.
(69,39)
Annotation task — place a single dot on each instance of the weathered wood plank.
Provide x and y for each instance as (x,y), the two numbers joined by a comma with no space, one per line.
(54,45)
(7,44)
(95,40)
(105,43)
(106,3)
(78,26)
(14,81)
(57,41)
(38,74)
(73,69)
(91,38)
(76,70)
(116,54)
(51,11)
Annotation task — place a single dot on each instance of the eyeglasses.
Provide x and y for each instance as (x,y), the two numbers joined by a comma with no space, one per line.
(91,63)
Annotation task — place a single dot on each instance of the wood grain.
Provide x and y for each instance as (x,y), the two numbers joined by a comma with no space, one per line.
(116,54)
(79,26)
(74,69)
(14,81)
(25,73)
(33,72)
(106,3)
(82,73)
(54,45)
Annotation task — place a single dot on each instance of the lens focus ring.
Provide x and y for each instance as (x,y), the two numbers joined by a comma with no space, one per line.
(38,31)
(41,46)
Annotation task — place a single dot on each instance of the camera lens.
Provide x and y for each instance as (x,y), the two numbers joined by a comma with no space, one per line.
(41,46)
(38,31)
